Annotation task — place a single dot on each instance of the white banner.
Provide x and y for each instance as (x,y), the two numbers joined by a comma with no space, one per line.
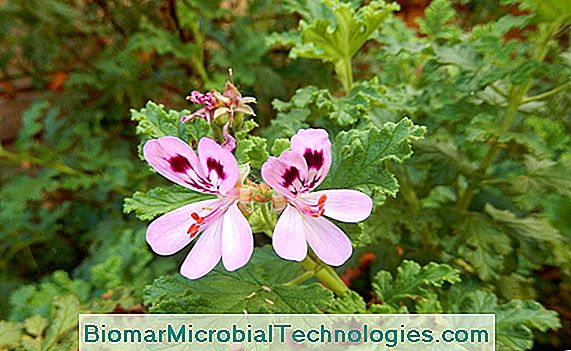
(403,332)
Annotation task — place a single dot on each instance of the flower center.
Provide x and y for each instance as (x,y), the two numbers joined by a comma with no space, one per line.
(199,221)
(207,215)
(315,210)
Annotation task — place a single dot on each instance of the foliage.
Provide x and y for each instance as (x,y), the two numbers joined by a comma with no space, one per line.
(457,125)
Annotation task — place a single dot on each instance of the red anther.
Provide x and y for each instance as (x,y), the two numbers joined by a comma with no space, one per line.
(321,211)
(197,218)
(193,230)
(322,199)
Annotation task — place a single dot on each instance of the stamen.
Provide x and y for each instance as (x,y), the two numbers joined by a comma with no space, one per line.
(193,230)
(316,210)
(197,218)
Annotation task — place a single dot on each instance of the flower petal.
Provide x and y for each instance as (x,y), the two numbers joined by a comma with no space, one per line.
(206,253)
(286,174)
(315,147)
(288,239)
(168,233)
(237,239)
(344,205)
(328,242)
(175,160)
(219,166)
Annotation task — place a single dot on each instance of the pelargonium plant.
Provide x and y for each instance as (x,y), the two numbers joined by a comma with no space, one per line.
(219,226)
(222,229)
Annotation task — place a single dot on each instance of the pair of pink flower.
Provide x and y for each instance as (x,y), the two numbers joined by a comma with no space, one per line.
(224,231)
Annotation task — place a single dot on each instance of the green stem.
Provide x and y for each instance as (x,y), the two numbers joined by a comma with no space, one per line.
(516,99)
(198,61)
(268,219)
(546,94)
(407,191)
(313,266)
(18,157)
(302,277)
(325,274)
(345,73)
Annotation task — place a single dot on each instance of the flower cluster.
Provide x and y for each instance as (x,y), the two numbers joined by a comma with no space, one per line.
(217,104)
(223,231)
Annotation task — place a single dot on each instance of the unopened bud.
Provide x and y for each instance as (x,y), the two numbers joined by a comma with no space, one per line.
(260,198)
(278,202)
(245,195)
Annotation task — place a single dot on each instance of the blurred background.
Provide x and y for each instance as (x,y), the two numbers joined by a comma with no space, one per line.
(71,70)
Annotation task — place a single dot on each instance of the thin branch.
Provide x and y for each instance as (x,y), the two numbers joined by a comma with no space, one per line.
(546,94)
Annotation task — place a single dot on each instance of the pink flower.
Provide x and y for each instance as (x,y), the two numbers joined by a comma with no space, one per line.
(217,104)
(222,230)
(294,174)
(207,112)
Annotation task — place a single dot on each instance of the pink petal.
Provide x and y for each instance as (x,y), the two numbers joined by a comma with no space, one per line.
(168,233)
(175,160)
(206,253)
(328,242)
(229,141)
(286,174)
(344,205)
(289,237)
(237,239)
(218,165)
(315,147)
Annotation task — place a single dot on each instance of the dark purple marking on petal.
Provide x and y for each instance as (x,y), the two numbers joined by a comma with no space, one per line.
(215,165)
(313,158)
(179,163)
(289,176)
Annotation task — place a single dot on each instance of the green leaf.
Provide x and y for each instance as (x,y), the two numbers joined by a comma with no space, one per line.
(36,325)
(359,156)
(412,281)
(482,244)
(280,145)
(533,233)
(340,36)
(32,124)
(31,299)
(64,319)
(239,292)
(430,304)
(350,303)
(333,31)
(154,121)
(543,176)
(254,288)
(161,200)
(553,10)
(273,268)
(515,320)
(10,334)
(437,20)
(252,150)
(530,227)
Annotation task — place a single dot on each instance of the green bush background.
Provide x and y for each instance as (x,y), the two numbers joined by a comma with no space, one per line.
(477,220)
